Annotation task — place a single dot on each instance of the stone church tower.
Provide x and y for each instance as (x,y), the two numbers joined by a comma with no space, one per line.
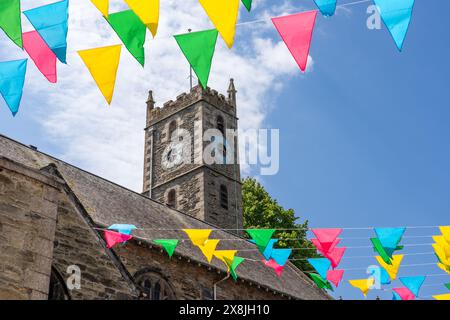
(177,173)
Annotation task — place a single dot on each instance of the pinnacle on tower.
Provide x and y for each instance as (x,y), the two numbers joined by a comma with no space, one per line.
(232,93)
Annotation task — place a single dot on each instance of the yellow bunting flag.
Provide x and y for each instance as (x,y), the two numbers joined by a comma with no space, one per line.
(446,232)
(442,244)
(224,255)
(147,11)
(440,252)
(102,6)
(198,236)
(223,14)
(442,297)
(209,248)
(392,269)
(102,63)
(364,285)
(444,267)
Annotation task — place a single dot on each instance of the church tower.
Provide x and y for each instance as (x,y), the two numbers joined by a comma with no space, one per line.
(191,156)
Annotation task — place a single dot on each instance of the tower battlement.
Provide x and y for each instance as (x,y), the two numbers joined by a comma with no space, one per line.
(184,100)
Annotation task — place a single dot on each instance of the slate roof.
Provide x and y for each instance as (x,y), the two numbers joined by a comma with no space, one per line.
(108,203)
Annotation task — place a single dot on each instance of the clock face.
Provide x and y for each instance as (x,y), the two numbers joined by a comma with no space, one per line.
(172,155)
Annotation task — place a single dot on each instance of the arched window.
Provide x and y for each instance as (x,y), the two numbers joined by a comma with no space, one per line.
(220,124)
(57,289)
(172,198)
(153,286)
(172,128)
(224,197)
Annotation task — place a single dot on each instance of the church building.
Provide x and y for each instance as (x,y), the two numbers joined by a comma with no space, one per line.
(52,216)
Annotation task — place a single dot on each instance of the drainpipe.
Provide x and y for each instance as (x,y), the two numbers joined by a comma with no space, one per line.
(215,285)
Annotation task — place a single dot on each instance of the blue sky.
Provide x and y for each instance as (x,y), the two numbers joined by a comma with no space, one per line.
(364,133)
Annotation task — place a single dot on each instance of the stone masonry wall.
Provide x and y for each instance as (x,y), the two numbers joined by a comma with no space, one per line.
(27,226)
(189,280)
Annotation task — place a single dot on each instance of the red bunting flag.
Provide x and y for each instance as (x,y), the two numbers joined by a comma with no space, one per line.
(296,31)
(112,238)
(335,256)
(335,276)
(319,247)
(404,293)
(275,266)
(326,237)
(41,54)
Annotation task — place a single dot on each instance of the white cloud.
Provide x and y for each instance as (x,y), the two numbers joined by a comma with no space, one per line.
(109,141)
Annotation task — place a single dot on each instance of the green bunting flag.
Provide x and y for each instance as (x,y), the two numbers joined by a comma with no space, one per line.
(131,31)
(198,48)
(169,245)
(385,253)
(233,265)
(247,4)
(448,286)
(261,236)
(320,282)
(10,21)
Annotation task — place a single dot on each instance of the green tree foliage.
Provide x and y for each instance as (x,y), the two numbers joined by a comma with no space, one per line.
(262,211)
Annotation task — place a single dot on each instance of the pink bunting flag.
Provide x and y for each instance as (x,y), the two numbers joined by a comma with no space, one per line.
(404,293)
(326,237)
(275,266)
(335,256)
(319,247)
(41,54)
(112,238)
(335,276)
(296,31)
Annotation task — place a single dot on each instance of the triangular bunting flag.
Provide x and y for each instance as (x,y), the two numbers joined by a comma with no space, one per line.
(395,296)
(321,265)
(404,293)
(267,253)
(296,31)
(413,283)
(326,7)
(442,297)
(223,15)
(247,4)
(102,6)
(390,237)
(448,286)
(12,79)
(10,20)
(320,282)
(385,253)
(51,21)
(446,233)
(131,31)
(392,269)
(396,15)
(208,249)
(335,276)
(102,63)
(198,48)
(168,244)
(147,11)
(364,285)
(232,265)
(41,54)
(275,266)
(443,244)
(224,255)
(261,237)
(335,256)
(380,275)
(319,247)
(123,228)
(112,238)
(198,236)
(327,237)
(281,256)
